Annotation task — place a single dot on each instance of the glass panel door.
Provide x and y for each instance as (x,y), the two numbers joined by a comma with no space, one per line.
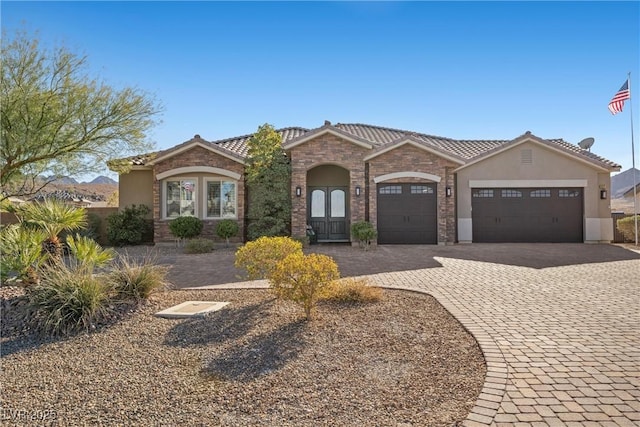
(328,213)
(338,205)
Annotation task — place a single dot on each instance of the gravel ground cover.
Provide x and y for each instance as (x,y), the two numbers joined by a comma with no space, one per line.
(400,362)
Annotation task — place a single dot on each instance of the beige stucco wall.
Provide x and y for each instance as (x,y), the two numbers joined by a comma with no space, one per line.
(136,188)
(547,166)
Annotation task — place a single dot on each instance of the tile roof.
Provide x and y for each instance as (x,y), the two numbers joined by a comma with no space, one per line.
(379,136)
(238,144)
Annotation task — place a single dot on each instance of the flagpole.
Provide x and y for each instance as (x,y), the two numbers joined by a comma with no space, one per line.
(633,160)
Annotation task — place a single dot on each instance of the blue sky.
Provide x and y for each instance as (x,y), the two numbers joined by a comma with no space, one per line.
(466,70)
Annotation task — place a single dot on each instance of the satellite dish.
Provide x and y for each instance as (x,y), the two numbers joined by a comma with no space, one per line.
(586,143)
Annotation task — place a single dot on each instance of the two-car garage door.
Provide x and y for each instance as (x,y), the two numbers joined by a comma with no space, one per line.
(527,214)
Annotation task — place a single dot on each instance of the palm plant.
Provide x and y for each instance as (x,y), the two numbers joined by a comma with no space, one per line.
(53,217)
(88,254)
(21,253)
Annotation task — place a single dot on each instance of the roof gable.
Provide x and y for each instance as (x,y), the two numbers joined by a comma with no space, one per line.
(418,143)
(196,141)
(327,129)
(559,146)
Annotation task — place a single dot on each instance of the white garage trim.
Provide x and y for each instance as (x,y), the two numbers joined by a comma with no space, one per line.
(407,174)
(526,183)
(598,230)
(198,169)
(465,230)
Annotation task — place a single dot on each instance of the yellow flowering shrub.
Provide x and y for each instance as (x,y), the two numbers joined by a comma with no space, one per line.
(303,279)
(353,290)
(260,256)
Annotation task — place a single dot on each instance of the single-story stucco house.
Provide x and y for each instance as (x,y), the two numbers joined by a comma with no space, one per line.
(414,188)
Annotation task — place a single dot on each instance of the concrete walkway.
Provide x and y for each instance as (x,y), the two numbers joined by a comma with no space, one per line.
(559,325)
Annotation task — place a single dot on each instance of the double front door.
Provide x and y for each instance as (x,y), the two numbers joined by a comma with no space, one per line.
(327,213)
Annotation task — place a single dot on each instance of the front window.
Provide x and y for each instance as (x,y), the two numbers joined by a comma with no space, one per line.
(180,198)
(221,199)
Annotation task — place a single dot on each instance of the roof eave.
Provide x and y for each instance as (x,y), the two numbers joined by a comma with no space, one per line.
(324,130)
(198,143)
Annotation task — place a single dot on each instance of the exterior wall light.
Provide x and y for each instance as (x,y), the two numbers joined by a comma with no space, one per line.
(358,191)
(448,191)
(298,191)
(603,194)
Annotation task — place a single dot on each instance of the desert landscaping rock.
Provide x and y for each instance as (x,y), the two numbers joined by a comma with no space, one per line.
(403,361)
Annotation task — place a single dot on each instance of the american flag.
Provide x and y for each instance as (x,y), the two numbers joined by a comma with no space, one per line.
(617,102)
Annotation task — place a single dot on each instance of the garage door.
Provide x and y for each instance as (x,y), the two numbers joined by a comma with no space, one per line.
(407,214)
(527,214)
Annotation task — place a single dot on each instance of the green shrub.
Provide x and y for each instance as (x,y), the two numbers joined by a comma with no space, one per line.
(67,300)
(352,290)
(186,227)
(128,227)
(364,232)
(137,280)
(21,252)
(627,227)
(227,228)
(260,256)
(303,279)
(198,246)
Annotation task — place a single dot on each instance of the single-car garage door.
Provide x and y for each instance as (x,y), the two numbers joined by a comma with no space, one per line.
(527,214)
(407,214)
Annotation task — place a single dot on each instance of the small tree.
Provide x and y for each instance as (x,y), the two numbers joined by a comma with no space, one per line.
(186,227)
(364,232)
(226,229)
(303,279)
(260,256)
(268,183)
(57,120)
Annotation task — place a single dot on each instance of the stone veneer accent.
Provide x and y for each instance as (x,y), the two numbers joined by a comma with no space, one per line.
(326,149)
(197,156)
(410,158)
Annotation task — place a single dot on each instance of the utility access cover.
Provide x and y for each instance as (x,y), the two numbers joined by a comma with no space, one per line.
(191,309)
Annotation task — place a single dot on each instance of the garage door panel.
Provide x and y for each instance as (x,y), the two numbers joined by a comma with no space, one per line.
(527,215)
(407,213)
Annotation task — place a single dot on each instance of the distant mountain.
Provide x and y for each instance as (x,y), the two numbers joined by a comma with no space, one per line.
(103,180)
(60,180)
(622,182)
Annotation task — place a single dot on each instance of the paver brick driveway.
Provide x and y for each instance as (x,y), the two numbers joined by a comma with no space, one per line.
(559,325)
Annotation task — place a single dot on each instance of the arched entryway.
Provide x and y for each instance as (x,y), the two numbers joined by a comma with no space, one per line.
(328,203)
